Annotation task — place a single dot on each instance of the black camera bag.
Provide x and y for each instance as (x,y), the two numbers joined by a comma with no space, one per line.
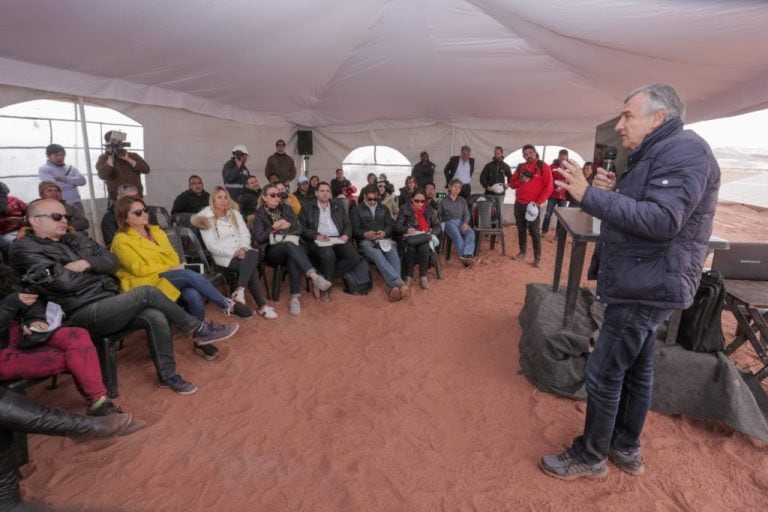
(701,329)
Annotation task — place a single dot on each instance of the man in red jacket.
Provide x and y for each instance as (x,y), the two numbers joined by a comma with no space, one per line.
(532,182)
(558,196)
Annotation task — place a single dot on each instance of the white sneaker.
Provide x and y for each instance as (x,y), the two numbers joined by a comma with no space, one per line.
(294,307)
(268,312)
(239,296)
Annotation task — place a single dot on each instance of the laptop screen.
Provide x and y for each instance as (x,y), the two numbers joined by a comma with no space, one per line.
(745,261)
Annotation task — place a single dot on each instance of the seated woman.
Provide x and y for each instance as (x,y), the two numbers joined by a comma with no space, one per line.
(414,218)
(385,196)
(147,258)
(276,230)
(67,350)
(406,193)
(226,236)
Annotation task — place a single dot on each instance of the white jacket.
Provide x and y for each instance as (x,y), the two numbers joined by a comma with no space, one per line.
(222,236)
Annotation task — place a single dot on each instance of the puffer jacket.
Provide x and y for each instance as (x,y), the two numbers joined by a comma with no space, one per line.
(656,225)
(71,290)
(222,237)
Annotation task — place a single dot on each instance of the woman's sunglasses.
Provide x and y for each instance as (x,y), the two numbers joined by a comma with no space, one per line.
(418,201)
(140,212)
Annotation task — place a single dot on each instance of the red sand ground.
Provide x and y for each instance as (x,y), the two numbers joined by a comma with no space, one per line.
(362,405)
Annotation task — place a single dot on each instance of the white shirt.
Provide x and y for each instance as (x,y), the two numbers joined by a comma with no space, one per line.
(462,171)
(325,225)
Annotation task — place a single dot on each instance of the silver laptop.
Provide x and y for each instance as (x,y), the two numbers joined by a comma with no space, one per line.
(743,261)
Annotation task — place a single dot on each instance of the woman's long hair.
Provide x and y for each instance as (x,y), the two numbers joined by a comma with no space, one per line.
(123,210)
(231,205)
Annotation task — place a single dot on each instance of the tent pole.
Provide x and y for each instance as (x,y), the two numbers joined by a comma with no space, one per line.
(92,201)
(453,138)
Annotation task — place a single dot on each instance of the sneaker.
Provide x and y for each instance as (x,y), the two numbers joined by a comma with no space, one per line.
(238,296)
(407,281)
(179,385)
(629,461)
(211,332)
(207,352)
(424,283)
(322,283)
(268,312)
(105,407)
(519,256)
(237,309)
(468,261)
(294,307)
(395,294)
(569,466)
(537,262)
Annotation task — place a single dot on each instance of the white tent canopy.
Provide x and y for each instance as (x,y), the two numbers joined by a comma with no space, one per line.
(413,74)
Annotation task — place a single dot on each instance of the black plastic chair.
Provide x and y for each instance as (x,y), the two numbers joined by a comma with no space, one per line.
(190,250)
(486,211)
(161,215)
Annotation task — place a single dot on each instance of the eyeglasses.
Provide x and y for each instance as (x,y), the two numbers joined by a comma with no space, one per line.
(273,195)
(418,201)
(140,212)
(56,217)
(371,198)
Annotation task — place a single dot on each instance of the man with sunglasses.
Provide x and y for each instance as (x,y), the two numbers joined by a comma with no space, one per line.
(281,164)
(52,190)
(372,227)
(81,281)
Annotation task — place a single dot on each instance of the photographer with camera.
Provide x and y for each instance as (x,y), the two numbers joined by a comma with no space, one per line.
(235,173)
(533,184)
(117,166)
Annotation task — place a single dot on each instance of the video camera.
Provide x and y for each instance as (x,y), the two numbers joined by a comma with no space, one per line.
(117,144)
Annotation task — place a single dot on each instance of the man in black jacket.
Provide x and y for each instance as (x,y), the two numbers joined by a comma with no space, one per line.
(234,172)
(192,200)
(496,172)
(423,171)
(327,230)
(372,227)
(249,199)
(461,167)
(78,275)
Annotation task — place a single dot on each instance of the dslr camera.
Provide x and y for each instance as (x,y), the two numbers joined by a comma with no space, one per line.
(528,174)
(117,144)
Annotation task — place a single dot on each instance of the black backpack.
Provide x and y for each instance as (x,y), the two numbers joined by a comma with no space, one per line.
(700,328)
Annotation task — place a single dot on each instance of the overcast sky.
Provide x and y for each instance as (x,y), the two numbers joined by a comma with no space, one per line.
(745,131)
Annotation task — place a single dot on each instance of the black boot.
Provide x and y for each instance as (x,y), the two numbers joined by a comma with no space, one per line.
(20,414)
(9,481)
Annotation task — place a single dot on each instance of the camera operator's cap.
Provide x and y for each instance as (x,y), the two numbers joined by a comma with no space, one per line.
(45,184)
(531,212)
(302,179)
(52,149)
(240,148)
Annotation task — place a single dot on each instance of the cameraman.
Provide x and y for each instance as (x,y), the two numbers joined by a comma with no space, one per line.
(235,173)
(116,166)
(533,184)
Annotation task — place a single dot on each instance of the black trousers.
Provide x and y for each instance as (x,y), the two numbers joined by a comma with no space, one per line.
(524,227)
(335,259)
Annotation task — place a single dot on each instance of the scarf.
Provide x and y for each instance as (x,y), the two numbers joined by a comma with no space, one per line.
(421,220)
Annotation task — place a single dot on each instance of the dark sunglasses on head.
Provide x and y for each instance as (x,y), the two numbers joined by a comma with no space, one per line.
(140,212)
(56,217)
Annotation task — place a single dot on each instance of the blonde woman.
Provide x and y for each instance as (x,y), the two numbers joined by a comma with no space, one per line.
(226,236)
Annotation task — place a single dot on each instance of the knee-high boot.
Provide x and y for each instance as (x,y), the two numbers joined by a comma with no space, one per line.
(9,481)
(20,414)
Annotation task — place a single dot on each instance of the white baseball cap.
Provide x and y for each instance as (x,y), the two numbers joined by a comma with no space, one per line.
(531,212)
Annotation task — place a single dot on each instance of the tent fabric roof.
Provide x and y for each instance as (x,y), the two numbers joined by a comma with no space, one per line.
(553,65)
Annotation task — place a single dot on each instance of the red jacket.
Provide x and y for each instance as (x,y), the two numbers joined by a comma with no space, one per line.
(16,208)
(538,188)
(557,192)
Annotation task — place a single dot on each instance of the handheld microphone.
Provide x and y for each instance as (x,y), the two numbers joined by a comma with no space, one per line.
(609,159)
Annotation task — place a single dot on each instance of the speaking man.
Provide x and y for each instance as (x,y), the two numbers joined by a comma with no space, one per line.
(647,262)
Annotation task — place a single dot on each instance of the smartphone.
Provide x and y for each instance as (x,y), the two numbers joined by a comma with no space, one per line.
(195,267)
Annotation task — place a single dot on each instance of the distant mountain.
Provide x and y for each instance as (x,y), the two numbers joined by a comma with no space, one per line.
(754,159)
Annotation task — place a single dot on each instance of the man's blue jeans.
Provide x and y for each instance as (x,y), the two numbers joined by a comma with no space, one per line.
(619,380)
(464,241)
(195,288)
(551,203)
(388,263)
